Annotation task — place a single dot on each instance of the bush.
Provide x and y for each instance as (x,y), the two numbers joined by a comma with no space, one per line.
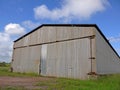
(3,64)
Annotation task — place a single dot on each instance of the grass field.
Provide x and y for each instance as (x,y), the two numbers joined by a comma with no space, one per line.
(5,71)
(111,82)
(102,83)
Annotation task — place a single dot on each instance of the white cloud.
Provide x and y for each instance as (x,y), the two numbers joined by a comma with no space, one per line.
(29,24)
(14,29)
(11,31)
(114,39)
(5,47)
(4,37)
(71,9)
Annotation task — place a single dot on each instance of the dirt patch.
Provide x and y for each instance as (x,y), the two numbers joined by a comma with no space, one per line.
(26,82)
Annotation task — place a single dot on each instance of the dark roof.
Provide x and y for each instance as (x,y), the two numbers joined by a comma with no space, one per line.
(73,25)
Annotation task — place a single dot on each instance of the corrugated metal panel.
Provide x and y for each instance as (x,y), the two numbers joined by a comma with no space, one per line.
(63,59)
(33,38)
(27,59)
(93,45)
(48,34)
(19,43)
(24,60)
(22,42)
(58,25)
(107,60)
(51,34)
(43,59)
(16,44)
(16,60)
(60,59)
(26,40)
(35,58)
(63,33)
(69,59)
(86,31)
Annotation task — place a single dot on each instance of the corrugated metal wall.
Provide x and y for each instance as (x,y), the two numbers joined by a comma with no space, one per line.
(26,59)
(62,51)
(107,61)
(52,34)
(67,59)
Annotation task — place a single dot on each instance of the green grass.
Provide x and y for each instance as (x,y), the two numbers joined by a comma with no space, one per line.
(12,88)
(110,82)
(5,71)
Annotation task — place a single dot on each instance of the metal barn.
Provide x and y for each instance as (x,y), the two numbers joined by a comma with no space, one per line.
(65,50)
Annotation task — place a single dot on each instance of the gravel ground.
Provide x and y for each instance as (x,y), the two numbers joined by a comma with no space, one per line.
(26,82)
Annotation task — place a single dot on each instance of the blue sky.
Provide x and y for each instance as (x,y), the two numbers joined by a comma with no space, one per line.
(21,16)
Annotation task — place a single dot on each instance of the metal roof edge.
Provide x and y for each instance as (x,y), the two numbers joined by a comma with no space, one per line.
(28,33)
